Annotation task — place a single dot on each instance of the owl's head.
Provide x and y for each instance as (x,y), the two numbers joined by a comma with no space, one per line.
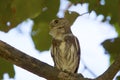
(59,27)
(60,23)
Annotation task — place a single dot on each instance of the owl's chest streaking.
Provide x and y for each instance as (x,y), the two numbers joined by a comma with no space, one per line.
(65,54)
(60,48)
(63,48)
(60,52)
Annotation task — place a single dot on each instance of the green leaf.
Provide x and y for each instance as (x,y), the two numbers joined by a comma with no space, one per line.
(40,31)
(108,9)
(71,16)
(6,67)
(5,14)
(27,9)
(113,47)
(78,1)
(16,11)
(40,36)
(117,27)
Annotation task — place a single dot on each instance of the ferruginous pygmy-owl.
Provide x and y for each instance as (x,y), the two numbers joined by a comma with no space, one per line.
(65,48)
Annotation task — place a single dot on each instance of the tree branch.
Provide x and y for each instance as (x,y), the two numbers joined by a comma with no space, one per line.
(27,62)
(42,69)
(110,73)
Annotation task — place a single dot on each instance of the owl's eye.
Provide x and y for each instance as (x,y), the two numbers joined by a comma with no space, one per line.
(56,21)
